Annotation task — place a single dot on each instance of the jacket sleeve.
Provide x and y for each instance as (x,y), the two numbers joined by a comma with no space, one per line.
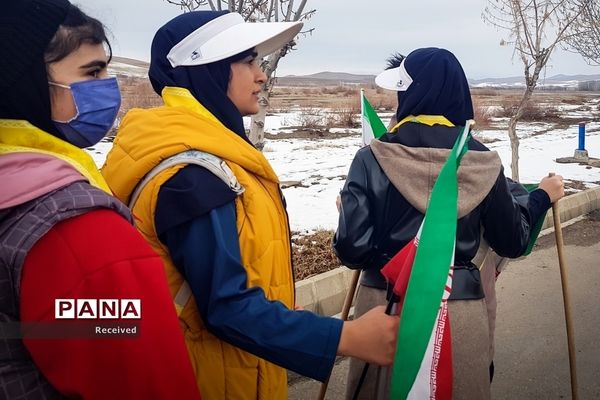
(507,224)
(354,239)
(99,255)
(537,202)
(207,251)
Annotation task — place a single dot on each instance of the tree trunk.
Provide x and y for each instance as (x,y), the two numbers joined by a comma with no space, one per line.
(257,121)
(512,131)
(257,124)
(514,147)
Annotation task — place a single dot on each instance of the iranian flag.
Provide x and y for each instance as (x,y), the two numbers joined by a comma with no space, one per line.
(422,277)
(372,127)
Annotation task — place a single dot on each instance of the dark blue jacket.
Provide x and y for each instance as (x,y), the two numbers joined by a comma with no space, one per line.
(205,248)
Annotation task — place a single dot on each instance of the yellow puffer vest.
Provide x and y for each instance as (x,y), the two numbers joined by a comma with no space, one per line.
(147,137)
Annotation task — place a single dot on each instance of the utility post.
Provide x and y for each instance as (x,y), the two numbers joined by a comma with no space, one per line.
(580,152)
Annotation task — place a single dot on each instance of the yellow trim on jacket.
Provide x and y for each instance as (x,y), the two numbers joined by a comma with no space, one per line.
(148,136)
(429,120)
(18,136)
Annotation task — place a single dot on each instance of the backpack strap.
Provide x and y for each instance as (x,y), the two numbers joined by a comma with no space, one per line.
(206,160)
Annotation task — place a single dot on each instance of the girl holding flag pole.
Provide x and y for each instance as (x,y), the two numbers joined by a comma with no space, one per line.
(210,204)
(383,204)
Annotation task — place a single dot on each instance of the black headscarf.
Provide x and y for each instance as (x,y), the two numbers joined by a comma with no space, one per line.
(439,87)
(26,29)
(208,83)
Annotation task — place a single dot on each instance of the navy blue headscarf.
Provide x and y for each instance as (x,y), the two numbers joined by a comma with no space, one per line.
(439,87)
(207,83)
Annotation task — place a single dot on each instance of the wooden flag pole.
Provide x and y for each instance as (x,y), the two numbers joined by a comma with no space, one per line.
(345,311)
(566,298)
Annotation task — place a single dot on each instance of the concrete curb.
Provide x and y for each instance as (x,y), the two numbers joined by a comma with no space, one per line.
(575,205)
(325,293)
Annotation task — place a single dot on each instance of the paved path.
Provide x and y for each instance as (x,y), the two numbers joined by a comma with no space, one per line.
(531,347)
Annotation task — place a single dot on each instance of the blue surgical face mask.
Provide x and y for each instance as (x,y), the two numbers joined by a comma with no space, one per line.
(97,102)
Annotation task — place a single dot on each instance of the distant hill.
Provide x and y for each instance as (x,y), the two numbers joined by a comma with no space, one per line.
(578,78)
(337,76)
(325,78)
(130,67)
(131,61)
(567,81)
(343,78)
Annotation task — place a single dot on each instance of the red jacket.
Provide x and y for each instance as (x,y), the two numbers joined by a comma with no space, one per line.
(99,255)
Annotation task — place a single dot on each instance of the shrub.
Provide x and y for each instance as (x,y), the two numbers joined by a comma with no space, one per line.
(343,114)
(313,254)
(346,118)
(532,112)
(482,117)
(311,118)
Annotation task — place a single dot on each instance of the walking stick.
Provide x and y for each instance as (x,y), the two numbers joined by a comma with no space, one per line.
(345,311)
(566,299)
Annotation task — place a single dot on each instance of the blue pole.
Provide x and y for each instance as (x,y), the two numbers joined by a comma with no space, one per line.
(581,136)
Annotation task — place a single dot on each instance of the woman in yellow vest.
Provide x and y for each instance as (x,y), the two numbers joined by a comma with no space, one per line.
(209,203)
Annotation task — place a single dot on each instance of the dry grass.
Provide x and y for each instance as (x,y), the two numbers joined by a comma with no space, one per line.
(311,119)
(484,92)
(285,98)
(313,254)
(532,112)
(344,91)
(346,117)
(482,116)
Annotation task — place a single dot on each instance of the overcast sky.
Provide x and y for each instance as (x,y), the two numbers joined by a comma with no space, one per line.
(355,36)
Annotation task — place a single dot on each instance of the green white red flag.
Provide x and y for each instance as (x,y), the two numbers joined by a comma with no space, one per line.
(422,277)
(372,127)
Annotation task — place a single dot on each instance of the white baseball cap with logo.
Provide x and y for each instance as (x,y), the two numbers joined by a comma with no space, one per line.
(229,35)
(396,79)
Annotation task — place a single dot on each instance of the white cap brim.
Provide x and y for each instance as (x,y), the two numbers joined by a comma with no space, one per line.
(396,79)
(229,35)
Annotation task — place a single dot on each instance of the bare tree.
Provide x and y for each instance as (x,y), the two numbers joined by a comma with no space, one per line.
(584,33)
(258,11)
(535,28)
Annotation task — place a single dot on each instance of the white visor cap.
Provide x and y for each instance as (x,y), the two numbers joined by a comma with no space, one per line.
(396,79)
(228,35)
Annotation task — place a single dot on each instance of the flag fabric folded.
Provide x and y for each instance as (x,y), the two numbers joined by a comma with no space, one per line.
(422,276)
(372,127)
(535,229)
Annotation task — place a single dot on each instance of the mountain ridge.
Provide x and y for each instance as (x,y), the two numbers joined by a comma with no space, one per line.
(124,65)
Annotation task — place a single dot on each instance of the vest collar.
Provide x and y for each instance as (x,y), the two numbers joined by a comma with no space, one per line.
(17,136)
(181,97)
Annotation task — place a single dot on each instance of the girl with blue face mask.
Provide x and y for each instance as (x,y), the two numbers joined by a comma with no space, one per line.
(85,101)
(62,233)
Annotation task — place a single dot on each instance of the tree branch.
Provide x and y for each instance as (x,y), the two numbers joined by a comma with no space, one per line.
(300,10)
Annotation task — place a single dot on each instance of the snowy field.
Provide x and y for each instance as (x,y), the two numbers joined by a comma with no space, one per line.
(317,167)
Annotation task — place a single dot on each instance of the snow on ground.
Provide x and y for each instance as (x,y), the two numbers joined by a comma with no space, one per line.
(319,166)
(538,152)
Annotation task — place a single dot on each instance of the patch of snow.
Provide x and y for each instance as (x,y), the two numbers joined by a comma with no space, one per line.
(321,165)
